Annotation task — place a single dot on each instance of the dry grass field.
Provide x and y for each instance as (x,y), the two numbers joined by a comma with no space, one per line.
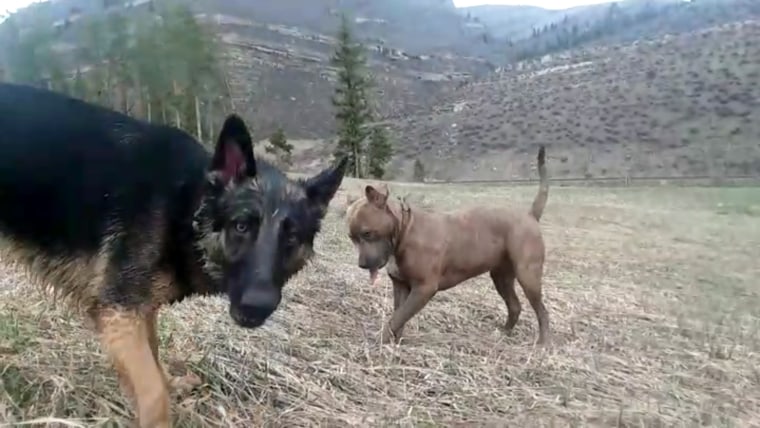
(652,292)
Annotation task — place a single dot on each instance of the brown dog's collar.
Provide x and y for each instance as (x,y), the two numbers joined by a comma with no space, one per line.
(400,224)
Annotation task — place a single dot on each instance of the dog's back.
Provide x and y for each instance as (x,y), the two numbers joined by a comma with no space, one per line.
(69,169)
(73,174)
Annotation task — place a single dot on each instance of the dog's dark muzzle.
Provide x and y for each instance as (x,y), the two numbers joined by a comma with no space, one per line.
(372,263)
(256,305)
(375,256)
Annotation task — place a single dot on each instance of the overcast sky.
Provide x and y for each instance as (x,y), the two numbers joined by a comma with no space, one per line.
(547,4)
(11,5)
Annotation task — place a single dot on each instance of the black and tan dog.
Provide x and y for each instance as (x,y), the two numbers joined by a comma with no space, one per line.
(122,216)
(426,252)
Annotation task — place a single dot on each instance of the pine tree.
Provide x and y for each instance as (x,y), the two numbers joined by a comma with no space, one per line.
(379,151)
(279,146)
(350,99)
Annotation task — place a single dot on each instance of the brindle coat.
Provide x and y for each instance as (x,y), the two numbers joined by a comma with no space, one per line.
(121,217)
(426,252)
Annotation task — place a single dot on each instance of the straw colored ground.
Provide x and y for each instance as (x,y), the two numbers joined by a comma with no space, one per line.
(653,297)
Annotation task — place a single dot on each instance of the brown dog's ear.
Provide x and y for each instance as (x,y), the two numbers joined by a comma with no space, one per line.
(375,197)
(351,198)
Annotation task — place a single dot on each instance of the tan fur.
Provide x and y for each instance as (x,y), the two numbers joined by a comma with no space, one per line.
(164,288)
(426,252)
(129,338)
(76,278)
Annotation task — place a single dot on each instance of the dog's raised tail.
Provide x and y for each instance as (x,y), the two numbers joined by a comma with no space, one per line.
(539,203)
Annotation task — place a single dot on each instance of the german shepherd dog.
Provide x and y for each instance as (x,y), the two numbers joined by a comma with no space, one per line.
(121,217)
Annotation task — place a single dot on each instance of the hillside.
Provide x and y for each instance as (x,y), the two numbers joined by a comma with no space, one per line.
(613,91)
(278,52)
(684,104)
(529,32)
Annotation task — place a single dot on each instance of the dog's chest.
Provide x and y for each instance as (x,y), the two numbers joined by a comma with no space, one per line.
(392,268)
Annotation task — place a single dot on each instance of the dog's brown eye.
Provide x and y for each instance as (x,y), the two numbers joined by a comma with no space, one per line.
(241,227)
(367,236)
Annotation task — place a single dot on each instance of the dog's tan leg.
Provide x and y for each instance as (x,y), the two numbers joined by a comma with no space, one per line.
(151,322)
(400,293)
(175,383)
(504,280)
(126,339)
(529,276)
(417,299)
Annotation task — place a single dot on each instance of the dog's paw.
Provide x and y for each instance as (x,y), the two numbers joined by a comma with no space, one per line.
(387,336)
(180,378)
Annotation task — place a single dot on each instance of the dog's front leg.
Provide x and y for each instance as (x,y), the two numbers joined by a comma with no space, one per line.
(414,302)
(151,326)
(127,339)
(400,293)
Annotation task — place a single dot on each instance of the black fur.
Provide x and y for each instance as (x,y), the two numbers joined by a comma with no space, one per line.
(78,182)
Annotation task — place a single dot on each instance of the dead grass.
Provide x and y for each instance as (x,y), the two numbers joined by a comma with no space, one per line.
(653,301)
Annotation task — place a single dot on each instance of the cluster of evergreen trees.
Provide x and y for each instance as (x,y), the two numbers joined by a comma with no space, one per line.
(567,34)
(162,65)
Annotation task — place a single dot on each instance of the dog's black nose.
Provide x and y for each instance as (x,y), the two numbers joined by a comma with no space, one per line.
(256,305)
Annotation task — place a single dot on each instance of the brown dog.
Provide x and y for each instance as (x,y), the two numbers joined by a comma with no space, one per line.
(426,252)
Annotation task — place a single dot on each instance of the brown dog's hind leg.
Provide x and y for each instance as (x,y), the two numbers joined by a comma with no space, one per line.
(504,280)
(529,276)
(127,339)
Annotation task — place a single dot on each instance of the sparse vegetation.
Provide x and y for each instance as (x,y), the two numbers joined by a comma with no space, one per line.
(605,102)
(280,148)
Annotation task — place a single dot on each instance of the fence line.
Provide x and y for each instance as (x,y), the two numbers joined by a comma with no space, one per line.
(619,180)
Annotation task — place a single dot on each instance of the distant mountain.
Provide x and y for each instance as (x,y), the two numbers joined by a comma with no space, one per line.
(529,32)
(511,22)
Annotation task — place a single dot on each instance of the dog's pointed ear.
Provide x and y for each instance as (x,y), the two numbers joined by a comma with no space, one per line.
(351,198)
(233,155)
(321,188)
(376,197)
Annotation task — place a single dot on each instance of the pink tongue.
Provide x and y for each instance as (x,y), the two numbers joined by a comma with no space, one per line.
(373,277)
